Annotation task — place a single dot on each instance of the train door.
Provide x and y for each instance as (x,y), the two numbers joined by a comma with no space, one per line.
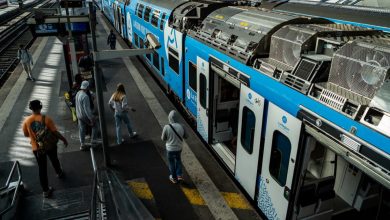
(203,98)
(278,164)
(248,141)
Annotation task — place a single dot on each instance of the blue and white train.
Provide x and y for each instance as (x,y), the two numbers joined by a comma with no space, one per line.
(293,98)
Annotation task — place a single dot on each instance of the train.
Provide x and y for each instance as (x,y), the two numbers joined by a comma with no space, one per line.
(293,98)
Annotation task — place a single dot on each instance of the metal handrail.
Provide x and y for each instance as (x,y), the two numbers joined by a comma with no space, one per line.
(96,194)
(17,166)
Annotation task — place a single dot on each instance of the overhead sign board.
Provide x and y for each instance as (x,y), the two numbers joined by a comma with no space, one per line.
(46,28)
(72,4)
(58,28)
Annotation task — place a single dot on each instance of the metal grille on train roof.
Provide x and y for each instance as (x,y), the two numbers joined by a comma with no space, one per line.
(243,33)
(291,41)
(363,67)
(168,4)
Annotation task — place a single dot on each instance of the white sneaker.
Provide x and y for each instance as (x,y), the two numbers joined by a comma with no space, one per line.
(133,135)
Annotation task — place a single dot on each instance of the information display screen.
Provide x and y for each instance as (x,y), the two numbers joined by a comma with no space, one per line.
(46,29)
(78,27)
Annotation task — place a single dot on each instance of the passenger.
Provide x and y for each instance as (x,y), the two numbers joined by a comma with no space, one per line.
(86,63)
(111,40)
(85,115)
(173,134)
(26,59)
(118,103)
(31,125)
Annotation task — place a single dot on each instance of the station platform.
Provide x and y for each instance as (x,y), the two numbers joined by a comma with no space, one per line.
(207,193)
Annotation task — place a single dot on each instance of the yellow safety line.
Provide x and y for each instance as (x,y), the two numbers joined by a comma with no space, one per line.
(141,189)
(193,196)
(234,200)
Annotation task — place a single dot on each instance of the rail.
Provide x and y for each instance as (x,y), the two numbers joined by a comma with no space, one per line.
(17,187)
(96,191)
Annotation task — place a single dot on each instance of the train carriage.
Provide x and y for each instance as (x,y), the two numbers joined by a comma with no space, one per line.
(295,106)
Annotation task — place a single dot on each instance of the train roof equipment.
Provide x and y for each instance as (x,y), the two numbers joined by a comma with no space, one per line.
(171,4)
(359,15)
(317,42)
(359,83)
(191,14)
(245,33)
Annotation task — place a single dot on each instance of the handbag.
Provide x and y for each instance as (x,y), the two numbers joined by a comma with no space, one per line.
(46,139)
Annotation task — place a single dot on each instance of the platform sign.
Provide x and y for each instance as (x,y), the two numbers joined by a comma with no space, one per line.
(78,27)
(72,4)
(55,29)
(49,29)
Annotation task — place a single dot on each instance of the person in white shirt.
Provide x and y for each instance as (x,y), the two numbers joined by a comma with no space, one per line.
(118,103)
(26,59)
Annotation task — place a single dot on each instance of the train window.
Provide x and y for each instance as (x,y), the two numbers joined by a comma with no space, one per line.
(147,13)
(248,129)
(280,157)
(192,75)
(140,10)
(156,60)
(162,66)
(173,60)
(136,40)
(155,17)
(228,92)
(202,90)
(162,21)
(141,43)
(148,56)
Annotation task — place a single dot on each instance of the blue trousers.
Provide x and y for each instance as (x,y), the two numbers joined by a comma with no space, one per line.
(83,129)
(119,117)
(174,163)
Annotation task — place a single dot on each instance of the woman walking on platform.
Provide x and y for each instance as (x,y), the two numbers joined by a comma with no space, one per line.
(118,103)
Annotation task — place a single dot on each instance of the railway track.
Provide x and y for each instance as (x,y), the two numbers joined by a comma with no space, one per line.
(12,34)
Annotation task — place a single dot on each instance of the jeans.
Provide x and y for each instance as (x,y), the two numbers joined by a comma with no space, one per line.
(42,165)
(83,129)
(27,68)
(112,46)
(174,163)
(119,117)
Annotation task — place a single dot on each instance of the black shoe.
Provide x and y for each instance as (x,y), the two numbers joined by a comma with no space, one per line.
(48,193)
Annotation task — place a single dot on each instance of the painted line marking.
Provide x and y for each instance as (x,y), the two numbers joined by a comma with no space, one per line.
(234,200)
(193,196)
(141,189)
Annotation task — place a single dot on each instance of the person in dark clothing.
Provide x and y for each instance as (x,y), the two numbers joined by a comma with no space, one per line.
(86,63)
(111,40)
(31,126)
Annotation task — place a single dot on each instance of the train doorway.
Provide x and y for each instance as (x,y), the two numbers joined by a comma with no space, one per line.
(225,101)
